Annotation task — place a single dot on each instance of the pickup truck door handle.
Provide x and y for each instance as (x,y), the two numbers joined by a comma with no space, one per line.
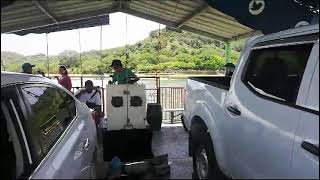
(234,110)
(312,148)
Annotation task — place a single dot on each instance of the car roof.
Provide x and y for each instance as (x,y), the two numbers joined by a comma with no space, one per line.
(297,31)
(8,78)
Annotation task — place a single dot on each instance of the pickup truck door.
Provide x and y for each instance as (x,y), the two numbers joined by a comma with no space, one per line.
(263,120)
(305,161)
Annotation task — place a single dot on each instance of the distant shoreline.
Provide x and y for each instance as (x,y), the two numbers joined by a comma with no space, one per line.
(142,75)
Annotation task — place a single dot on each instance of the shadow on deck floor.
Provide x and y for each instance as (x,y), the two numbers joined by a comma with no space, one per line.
(171,140)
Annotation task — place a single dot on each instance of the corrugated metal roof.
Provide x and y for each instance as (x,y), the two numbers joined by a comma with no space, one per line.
(38,16)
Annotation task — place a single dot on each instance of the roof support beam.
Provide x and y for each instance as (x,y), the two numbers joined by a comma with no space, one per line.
(47,22)
(246,35)
(45,10)
(146,16)
(196,13)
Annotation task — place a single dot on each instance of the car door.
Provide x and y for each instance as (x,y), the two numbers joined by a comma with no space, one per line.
(261,106)
(52,126)
(13,115)
(305,160)
(89,134)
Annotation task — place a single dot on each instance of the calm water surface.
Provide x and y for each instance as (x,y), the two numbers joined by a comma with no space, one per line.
(150,83)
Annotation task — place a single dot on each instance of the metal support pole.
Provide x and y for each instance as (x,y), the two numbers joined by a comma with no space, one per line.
(3,65)
(102,75)
(81,78)
(48,63)
(228,52)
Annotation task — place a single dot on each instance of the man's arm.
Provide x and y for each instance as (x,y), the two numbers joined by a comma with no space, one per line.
(97,101)
(97,108)
(114,78)
(79,94)
(132,77)
(42,73)
(132,74)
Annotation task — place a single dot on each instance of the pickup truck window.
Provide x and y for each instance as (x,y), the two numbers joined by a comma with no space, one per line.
(276,72)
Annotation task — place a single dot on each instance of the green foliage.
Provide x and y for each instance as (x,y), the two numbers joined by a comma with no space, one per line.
(171,52)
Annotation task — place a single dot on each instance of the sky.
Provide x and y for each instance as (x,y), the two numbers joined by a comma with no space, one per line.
(113,35)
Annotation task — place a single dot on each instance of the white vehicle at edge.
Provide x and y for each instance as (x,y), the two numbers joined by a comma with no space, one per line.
(263,122)
(47,133)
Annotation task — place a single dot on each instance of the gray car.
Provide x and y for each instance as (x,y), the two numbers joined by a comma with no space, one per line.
(45,131)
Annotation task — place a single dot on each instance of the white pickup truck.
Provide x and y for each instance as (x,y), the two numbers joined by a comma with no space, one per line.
(263,122)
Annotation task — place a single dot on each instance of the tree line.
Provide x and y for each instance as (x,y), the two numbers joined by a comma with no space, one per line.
(170,51)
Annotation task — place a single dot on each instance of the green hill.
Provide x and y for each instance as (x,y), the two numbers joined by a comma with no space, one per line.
(177,51)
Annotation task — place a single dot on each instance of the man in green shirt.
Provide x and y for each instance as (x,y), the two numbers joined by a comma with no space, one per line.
(122,75)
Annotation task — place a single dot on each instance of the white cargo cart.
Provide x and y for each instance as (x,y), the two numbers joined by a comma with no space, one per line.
(127,133)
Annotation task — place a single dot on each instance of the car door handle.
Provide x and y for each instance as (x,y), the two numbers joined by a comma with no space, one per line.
(86,144)
(234,110)
(312,148)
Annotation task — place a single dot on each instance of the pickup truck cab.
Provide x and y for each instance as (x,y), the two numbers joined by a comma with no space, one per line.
(263,122)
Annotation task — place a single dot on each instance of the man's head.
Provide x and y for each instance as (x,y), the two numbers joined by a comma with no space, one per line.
(27,68)
(116,65)
(88,86)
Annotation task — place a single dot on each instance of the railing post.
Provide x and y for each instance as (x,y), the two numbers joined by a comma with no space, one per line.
(81,82)
(171,116)
(158,95)
(158,90)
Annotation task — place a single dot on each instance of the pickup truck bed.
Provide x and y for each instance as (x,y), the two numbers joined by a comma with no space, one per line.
(222,82)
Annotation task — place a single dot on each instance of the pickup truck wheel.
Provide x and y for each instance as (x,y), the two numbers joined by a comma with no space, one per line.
(204,162)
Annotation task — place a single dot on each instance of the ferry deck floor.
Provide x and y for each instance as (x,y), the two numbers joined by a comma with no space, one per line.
(171,140)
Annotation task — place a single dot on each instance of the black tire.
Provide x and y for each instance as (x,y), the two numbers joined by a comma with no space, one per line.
(184,124)
(203,145)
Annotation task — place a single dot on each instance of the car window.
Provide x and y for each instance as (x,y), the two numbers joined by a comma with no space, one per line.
(276,72)
(313,96)
(50,115)
(70,102)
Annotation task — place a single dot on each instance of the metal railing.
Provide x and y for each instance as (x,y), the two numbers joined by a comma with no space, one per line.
(170,98)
